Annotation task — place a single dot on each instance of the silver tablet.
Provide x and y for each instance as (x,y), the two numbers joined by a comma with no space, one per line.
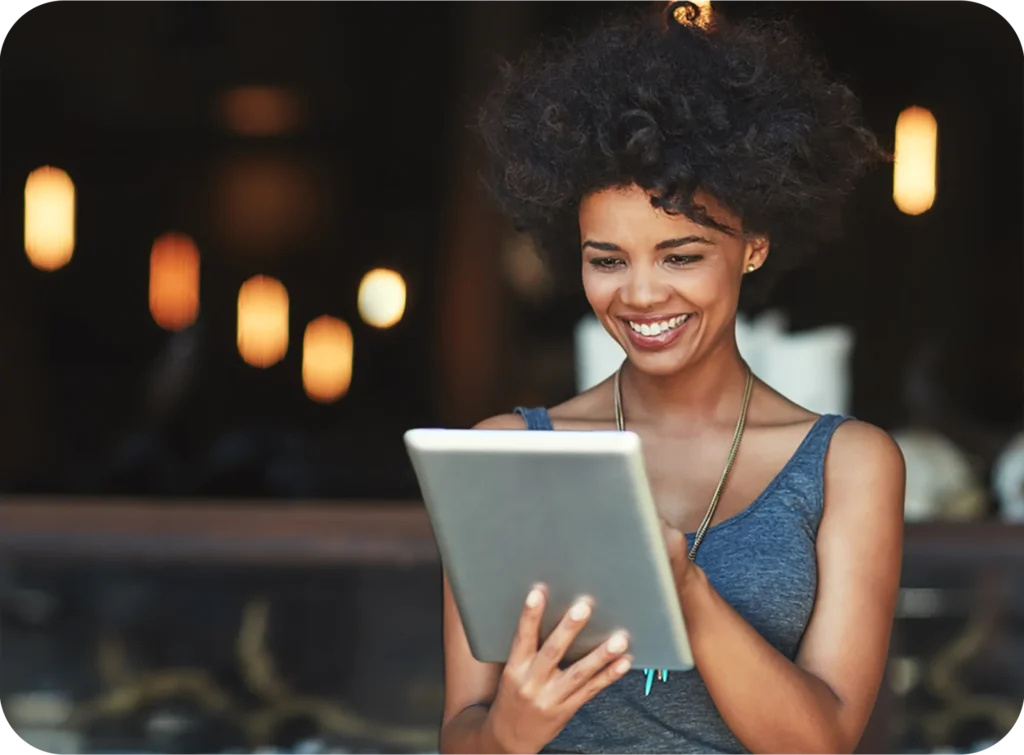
(573,510)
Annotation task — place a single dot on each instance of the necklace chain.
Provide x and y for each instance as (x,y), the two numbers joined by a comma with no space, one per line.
(620,423)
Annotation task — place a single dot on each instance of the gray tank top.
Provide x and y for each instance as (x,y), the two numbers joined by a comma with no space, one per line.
(762,562)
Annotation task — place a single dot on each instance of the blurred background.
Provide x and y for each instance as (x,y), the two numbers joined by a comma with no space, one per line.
(245,247)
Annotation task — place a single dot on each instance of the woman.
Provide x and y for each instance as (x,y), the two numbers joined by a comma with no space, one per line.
(673,158)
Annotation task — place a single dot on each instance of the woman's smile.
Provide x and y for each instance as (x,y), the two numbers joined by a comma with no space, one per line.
(655,331)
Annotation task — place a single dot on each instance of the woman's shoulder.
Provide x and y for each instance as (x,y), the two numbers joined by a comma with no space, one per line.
(860,448)
(865,480)
(510,421)
(856,447)
(590,410)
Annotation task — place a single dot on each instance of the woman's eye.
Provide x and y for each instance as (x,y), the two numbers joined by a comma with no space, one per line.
(682,259)
(606,263)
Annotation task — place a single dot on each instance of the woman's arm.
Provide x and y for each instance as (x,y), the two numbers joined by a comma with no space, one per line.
(521,705)
(469,685)
(820,703)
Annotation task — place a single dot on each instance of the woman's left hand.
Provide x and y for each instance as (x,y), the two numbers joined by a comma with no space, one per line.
(678,556)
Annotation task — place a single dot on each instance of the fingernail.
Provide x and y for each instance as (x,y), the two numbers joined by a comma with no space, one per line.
(579,611)
(623,666)
(534,598)
(617,643)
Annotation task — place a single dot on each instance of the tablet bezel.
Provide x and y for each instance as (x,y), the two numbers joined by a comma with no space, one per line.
(432,450)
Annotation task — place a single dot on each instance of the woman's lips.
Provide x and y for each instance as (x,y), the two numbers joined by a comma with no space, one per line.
(655,332)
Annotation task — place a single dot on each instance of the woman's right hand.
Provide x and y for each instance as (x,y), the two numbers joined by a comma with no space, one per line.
(535,698)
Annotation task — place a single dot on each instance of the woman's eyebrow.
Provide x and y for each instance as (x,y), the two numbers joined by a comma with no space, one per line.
(607,246)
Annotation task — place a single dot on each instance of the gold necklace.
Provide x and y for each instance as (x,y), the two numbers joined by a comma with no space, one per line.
(663,674)
(620,423)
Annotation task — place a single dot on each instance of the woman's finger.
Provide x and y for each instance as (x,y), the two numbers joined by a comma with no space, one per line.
(527,637)
(579,674)
(604,678)
(550,654)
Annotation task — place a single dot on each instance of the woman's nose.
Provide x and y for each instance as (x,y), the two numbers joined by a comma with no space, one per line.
(643,290)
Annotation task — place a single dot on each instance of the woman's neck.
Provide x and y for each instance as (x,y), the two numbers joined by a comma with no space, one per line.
(708,391)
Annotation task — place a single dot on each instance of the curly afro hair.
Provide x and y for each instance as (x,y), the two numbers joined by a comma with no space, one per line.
(740,111)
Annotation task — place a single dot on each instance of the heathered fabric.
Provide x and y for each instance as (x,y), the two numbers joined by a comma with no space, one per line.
(762,562)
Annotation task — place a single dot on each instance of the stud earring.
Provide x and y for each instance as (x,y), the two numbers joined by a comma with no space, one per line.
(751,267)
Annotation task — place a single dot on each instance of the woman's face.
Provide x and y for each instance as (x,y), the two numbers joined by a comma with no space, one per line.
(663,286)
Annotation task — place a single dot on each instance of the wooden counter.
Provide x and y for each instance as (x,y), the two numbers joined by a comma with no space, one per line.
(335,532)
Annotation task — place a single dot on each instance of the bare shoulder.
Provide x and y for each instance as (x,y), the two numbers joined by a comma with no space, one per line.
(581,412)
(589,410)
(501,422)
(860,449)
(864,470)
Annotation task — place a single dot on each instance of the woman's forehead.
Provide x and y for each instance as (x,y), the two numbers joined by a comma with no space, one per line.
(628,211)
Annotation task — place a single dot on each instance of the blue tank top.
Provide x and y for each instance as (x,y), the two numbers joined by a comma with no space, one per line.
(762,561)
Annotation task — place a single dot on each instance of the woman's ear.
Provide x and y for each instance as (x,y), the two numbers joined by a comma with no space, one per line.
(755,253)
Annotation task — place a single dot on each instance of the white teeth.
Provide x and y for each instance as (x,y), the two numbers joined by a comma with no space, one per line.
(657,328)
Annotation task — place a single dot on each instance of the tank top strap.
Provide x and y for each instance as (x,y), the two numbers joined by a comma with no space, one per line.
(815,444)
(809,459)
(536,419)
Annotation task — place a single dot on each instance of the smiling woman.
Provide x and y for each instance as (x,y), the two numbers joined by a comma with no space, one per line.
(653,278)
(738,113)
(673,159)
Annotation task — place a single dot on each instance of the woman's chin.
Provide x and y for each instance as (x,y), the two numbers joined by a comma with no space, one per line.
(660,363)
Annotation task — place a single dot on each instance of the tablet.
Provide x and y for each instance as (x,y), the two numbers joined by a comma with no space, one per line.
(571,509)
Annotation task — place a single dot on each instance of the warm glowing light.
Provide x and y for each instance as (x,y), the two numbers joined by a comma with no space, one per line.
(382,298)
(262,321)
(174,281)
(49,218)
(260,110)
(327,359)
(701,13)
(913,176)
(265,204)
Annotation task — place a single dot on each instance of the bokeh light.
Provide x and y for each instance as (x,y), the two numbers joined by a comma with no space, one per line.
(381,298)
(913,184)
(49,218)
(174,281)
(262,321)
(327,359)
